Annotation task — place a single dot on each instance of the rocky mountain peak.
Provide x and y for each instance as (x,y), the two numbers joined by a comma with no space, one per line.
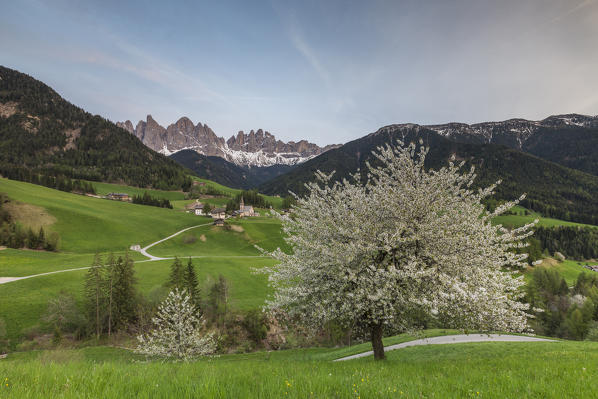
(127,125)
(256,148)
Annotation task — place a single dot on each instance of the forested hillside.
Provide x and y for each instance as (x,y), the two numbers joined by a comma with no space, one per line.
(227,173)
(571,146)
(552,190)
(41,134)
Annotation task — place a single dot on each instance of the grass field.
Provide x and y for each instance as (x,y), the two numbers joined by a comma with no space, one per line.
(87,225)
(480,370)
(237,240)
(24,302)
(570,269)
(521,218)
(105,188)
(231,192)
(17,263)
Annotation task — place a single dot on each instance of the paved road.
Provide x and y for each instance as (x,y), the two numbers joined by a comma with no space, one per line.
(453,339)
(143,251)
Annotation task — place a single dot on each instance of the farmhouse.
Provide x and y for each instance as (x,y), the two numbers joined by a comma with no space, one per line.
(196,207)
(246,210)
(118,196)
(218,213)
(219,222)
(593,268)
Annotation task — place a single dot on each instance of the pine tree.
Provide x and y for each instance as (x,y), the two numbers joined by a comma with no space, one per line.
(41,238)
(94,293)
(124,292)
(218,298)
(32,240)
(109,280)
(177,275)
(192,284)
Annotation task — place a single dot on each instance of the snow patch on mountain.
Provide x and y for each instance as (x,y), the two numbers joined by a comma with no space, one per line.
(513,132)
(261,158)
(256,148)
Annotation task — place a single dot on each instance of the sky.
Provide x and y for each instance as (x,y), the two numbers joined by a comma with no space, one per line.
(326,71)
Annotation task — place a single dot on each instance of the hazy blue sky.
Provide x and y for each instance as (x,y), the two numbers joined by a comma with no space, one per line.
(327,71)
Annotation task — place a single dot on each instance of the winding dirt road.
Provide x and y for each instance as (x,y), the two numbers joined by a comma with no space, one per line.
(143,251)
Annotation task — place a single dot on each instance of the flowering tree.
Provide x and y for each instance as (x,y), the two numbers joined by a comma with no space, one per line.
(407,242)
(177,332)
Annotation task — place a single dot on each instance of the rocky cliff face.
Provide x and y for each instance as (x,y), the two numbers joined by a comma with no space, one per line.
(257,148)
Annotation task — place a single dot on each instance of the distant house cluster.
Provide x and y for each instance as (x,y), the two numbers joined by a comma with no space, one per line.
(219,214)
(593,268)
(196,207)
(118,196)
(245,210)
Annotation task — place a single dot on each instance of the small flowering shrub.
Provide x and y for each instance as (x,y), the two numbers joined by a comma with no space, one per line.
(178,331)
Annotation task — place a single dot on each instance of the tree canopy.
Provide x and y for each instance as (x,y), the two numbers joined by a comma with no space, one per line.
(408,241)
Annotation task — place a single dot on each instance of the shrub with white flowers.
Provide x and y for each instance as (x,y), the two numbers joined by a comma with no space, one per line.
(178,331)
(407,242)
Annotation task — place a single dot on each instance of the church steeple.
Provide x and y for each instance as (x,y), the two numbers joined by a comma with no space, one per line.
(241,204)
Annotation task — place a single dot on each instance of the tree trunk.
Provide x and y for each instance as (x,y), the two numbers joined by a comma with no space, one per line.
(377,344)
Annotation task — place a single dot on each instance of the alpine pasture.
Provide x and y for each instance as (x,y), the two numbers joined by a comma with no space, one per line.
(88,225)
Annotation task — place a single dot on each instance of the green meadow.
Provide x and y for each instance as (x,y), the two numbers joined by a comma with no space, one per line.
(231,192)
(88,225)
(239,237)
(24,302)
(523,216)
(478,370)
(105,188)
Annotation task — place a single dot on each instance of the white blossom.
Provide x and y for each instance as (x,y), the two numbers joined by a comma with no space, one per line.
(406,242)
(178,331)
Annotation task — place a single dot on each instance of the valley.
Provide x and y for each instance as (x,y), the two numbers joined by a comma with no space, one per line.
(116,226)
(299,199)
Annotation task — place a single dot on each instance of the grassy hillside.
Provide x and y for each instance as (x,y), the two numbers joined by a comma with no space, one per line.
(238,237)
(42,133)
(523,216)
(87,225)
(24,302)
(105,188)
(275,200)
(227,173)
(486,370)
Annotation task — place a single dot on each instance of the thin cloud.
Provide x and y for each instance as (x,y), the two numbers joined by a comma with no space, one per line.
(308,53)
(573,10)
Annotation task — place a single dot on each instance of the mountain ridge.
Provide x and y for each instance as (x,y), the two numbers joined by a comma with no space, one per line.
(553,190)
(42,134)
(511,132)
(256,148)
